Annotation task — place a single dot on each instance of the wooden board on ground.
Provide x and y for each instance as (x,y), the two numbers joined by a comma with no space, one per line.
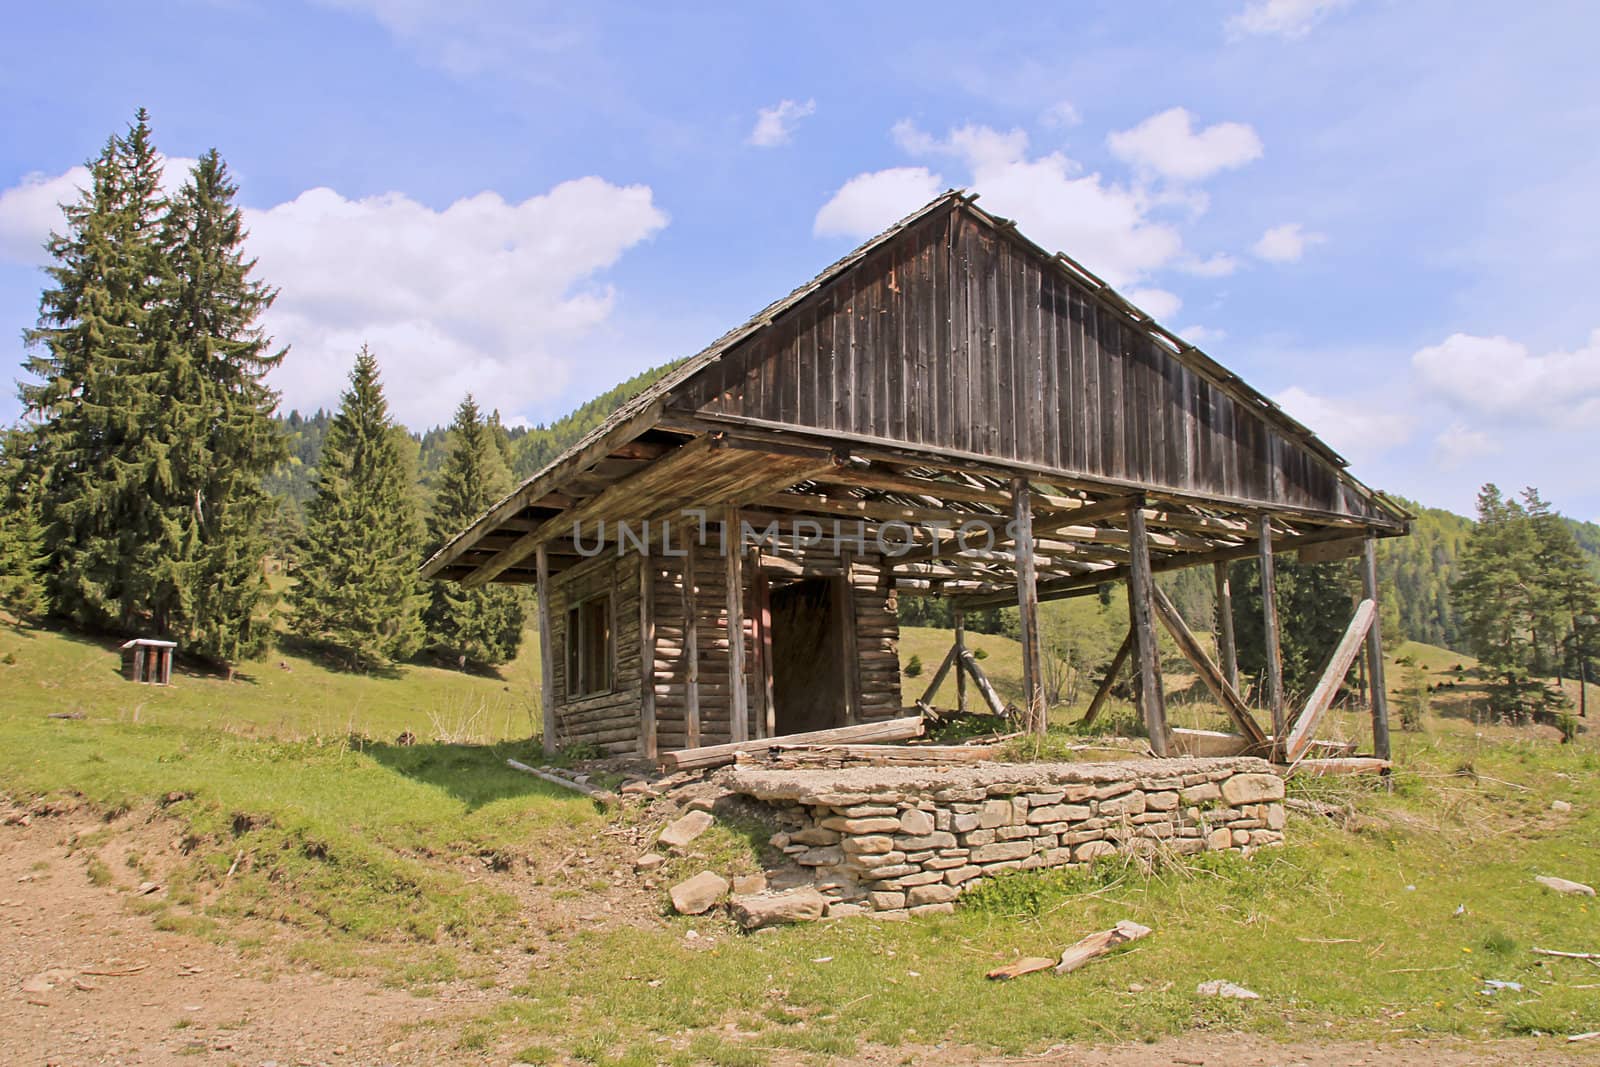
(790,755)
(1344,765)
(1099,944)
(716,755)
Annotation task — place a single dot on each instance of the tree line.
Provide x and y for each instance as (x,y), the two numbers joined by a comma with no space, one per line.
(135,486)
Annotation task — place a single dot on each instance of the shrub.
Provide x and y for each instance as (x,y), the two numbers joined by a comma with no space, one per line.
(914,667)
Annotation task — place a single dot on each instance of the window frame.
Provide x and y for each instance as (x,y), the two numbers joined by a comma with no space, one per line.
(580,659)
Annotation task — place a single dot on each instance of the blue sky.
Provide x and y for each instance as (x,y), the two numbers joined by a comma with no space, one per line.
(1380,213)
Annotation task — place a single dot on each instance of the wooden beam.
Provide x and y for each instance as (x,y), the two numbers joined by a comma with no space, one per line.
(1227,651)
(547,658)
(738,694)
(1147,657)
(1108,681)
(1344,654)
(1209,673)
(716,755)
(766,722)
(1035,715)
(647,657)
(1273,652)
(691,648)
(1380,691)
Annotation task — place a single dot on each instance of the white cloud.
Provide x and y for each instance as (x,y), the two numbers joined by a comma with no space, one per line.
(485,295)
(1168,145)
(1500,378)
(1157,303)
(1282,18)
(1460,444)
(1063,113)
(1106,226)
(775,125)
(1286,243)
(1359,429)
(1219,265)
(31,209)
(1199,335)
(869,203)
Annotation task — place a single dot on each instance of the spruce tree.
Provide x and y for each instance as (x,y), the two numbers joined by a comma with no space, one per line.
(477,626)
(93,394)
(21,540)
(1500,599)
(356,581)
(217,425)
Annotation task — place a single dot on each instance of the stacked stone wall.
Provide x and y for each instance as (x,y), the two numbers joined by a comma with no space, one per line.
(893,840)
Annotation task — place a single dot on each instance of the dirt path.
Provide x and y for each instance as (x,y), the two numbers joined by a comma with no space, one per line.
(88,981)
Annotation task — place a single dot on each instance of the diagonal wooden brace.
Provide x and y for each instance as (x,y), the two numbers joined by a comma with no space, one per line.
(1344,654)
(1210,673)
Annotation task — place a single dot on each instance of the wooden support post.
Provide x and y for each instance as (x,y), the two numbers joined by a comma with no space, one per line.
(1273,652)
(1034,714)
(767,722)
(960,617)
(166,666)
(547,653)
(1110,679)
(647,657)
(1209,673)
(138,663)
(691,648)
(938,675)
(845,605)
(981,680)
(1380,692)
(1147,657)
(1227,652)
(1298,737)
(738,692)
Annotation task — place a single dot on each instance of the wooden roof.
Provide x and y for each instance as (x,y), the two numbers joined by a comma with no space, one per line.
(910,381)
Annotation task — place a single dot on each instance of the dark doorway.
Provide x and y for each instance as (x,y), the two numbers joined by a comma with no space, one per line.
(807,657)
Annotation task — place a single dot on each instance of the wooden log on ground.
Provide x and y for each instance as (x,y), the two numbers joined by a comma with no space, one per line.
(1317,768)
(783,756)
(599,796)
(1099,944)
(717,755)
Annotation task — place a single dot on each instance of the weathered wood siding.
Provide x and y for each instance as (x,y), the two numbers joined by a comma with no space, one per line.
(966,339)
(609,720)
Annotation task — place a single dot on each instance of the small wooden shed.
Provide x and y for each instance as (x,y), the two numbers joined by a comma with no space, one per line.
(949,410)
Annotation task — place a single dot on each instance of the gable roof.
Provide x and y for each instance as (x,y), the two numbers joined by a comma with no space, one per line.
(692,382)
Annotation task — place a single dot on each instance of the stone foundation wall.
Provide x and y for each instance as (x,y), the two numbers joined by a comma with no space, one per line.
(913,838)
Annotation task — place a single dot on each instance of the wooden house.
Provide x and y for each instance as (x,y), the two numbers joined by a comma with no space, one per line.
(949,410)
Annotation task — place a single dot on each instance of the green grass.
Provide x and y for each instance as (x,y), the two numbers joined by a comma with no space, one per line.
(367,856)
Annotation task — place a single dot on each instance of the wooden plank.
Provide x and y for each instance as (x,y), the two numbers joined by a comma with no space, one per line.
(1331,551)
(1035,715)
(1344,654)
(1108,681)
(691,647)
(781,754)
(1273,653)
(1209,672)
(547,659)
(845,606)
(1147,656)
(716,755)
(1380,690)
(647,657)
(1318,768)
(738,694)
(1227,650)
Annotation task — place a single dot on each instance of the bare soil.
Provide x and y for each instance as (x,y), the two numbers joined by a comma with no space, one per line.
(87,979)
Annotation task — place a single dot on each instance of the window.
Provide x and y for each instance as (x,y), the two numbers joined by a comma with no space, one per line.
(589,647)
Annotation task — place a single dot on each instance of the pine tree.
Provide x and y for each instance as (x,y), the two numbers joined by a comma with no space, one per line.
(1565,590)
(480,626)
(356,582)
(93,394)
(217,425)
(21,540)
